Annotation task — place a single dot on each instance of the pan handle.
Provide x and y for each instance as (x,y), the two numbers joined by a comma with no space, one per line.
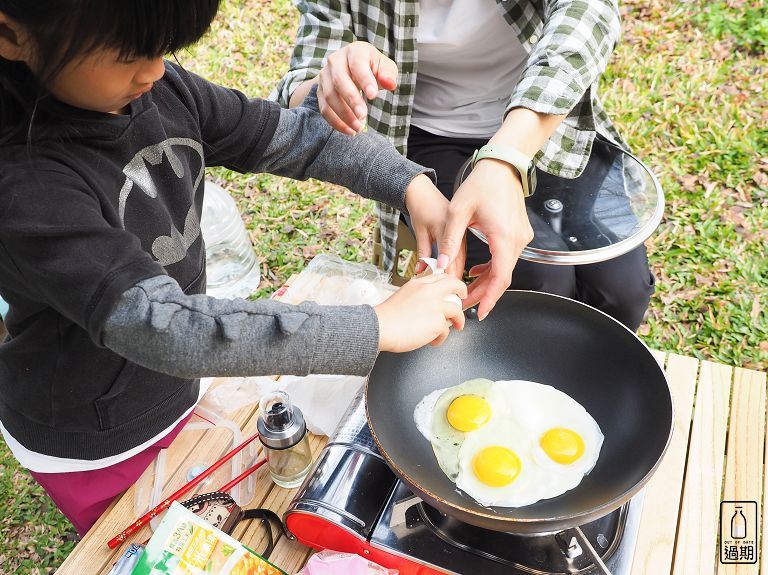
(573,544)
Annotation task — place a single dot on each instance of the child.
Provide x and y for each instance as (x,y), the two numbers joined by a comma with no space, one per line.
(103,147)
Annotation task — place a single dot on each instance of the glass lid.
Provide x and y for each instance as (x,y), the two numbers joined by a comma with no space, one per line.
(613,207)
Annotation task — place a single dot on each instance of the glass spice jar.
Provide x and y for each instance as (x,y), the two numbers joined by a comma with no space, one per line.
(283,433)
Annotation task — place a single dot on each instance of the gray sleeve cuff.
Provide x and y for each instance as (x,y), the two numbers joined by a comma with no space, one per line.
(346,331)
(390,173)
(390,176)
(305,145)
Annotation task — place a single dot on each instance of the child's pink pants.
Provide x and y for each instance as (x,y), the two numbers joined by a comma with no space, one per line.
(83,496)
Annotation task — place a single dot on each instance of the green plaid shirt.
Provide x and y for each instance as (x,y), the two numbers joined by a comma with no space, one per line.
(568,43)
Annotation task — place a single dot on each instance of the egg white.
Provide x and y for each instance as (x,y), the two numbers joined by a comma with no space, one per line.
(522,412)
(538,408)
(423,413)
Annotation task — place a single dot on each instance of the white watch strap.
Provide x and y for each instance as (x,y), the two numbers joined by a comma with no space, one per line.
(511,156)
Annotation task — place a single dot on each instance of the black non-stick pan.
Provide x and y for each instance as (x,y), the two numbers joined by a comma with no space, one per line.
(549,340)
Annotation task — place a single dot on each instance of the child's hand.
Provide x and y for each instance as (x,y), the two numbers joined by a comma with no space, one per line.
(428,209)
(418,313)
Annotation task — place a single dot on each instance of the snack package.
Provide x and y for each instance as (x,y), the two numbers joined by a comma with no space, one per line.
(186,544)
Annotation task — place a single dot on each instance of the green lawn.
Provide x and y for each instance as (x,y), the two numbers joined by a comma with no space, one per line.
(688,85)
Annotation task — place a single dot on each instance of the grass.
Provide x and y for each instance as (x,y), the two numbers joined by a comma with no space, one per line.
(691,99)
(687,86)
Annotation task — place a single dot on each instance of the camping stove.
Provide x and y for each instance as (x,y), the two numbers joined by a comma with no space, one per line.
(353,502)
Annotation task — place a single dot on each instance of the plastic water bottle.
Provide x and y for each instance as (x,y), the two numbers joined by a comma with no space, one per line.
(232,267)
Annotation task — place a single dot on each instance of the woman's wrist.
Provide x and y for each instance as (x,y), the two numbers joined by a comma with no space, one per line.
(499,175)
(526,130)
(499,169)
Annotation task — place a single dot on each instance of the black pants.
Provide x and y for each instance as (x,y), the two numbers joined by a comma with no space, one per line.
(620,287)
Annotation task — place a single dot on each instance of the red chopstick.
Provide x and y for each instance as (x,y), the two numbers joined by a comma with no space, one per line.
(242,476)
(152,513)
(235,481)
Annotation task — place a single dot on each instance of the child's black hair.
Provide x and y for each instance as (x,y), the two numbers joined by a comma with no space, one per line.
(63,30)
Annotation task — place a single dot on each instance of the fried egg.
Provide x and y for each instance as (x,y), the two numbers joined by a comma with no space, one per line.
(509,443)
(445,416)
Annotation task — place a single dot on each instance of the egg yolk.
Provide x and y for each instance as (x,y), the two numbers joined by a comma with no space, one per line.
(496,466)
(468,412)
(563,446)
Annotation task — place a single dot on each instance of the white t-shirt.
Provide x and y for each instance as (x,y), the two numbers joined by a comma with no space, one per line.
(470,61)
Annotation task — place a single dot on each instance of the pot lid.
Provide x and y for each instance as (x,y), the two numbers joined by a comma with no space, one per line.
(613,216)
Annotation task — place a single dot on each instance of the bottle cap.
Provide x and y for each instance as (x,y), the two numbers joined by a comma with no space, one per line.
(281,424)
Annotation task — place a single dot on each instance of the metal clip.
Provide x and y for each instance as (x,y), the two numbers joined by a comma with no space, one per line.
(571,548)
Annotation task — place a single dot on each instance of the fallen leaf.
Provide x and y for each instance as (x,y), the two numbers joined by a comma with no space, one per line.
(721,50)
(689,182)
(310,251)
(627,86)
(735,215)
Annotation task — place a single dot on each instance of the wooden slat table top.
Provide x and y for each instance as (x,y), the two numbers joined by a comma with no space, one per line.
(716,453)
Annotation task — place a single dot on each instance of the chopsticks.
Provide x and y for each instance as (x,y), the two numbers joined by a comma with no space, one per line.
(242,476)
(166,503)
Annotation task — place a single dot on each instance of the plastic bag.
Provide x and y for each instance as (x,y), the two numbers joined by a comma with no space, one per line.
(235,392)
(329,280)
(157,481)
(323,399)
(333,563)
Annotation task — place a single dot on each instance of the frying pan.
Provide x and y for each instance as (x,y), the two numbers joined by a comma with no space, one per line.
(550,340)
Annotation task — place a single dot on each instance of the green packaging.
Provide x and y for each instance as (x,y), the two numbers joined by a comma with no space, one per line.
(186,544)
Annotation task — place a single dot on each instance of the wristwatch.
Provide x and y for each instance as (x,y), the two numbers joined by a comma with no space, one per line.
(522,163)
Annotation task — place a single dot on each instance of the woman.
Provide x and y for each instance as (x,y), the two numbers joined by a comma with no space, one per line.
(520,75)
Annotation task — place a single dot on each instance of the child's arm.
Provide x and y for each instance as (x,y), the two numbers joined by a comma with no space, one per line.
(254,135)
(305,146)
(159,327)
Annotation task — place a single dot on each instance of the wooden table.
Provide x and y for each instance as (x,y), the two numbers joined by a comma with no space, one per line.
(716,454)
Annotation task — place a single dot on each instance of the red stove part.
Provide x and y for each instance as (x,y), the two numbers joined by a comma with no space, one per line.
(319,533)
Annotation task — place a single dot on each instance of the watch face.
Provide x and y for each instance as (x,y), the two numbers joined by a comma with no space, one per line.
(531,179)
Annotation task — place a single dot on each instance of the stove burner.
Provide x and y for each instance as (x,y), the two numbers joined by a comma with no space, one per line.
(535,554)
(353,502)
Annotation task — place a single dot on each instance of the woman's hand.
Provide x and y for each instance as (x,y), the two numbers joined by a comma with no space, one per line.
(428,210)
(491,200)
(354,68)
(418,313)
